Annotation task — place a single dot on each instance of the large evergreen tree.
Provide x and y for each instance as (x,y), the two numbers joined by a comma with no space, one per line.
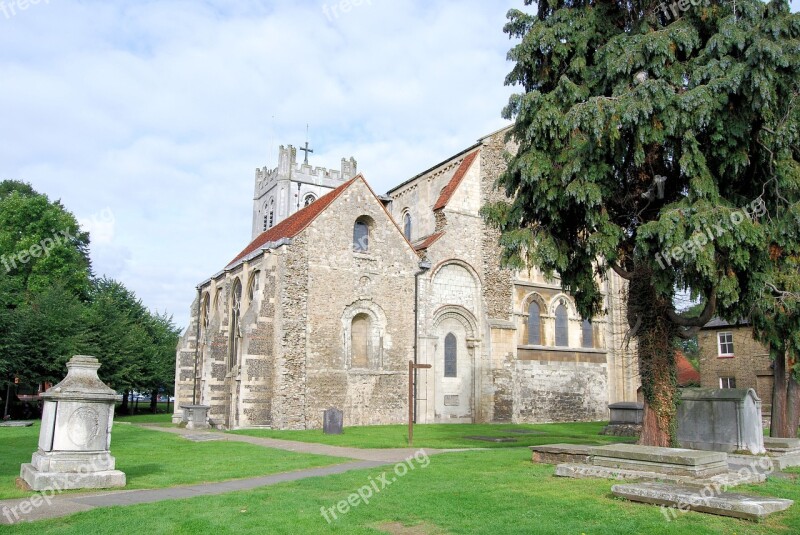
(655,143)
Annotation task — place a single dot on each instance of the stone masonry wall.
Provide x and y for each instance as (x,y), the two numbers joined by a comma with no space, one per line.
(378,283)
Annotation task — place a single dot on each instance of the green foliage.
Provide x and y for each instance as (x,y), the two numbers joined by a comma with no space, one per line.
(664,147)
(616,94)
(51,308)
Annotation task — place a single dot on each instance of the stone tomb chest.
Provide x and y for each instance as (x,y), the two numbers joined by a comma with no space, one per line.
(75,437)
(726,420)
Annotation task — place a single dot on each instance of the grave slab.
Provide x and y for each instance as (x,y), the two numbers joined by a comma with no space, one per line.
(672,461)
(560,453)
(706,500)
(10,423)
(492,439)
(584,471)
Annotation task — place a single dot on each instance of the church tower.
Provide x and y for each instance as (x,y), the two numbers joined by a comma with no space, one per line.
(282,191)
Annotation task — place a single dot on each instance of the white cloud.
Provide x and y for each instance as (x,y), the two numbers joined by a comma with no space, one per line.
(160,111)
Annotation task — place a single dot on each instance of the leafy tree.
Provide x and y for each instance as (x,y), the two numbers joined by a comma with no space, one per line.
(776,320)
(652,144)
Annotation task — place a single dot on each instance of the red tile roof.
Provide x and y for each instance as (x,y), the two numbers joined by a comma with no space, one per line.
(451,187)
(427,242)
(294,224)
(687,374)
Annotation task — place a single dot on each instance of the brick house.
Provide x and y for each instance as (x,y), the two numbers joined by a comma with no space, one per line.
(731,358)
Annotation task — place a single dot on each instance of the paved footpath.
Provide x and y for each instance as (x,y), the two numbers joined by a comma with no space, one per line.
(54,506)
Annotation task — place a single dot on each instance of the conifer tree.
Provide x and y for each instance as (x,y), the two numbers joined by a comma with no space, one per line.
(657,142)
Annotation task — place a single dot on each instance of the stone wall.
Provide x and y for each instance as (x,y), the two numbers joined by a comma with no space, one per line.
(377,284)
(560,391)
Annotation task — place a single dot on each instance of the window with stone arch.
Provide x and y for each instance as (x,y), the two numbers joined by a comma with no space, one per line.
(308,200)
(587,334)
(235,335)
(407,225)
(361,234)
(205,313)
(253,287)
(450,355)
(562,326)
(360,332)
(534,324)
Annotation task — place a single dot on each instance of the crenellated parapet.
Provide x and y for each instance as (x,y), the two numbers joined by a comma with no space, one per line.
(289,169)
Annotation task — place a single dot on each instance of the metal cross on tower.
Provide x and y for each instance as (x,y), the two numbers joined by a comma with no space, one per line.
(306,149)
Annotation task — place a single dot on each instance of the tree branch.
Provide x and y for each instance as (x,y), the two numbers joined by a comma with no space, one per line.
(621,272)
(701,320)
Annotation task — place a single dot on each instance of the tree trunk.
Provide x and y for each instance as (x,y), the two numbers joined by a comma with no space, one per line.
(792,403)
(154,401)
(778,426)
(123,409)
(654,332)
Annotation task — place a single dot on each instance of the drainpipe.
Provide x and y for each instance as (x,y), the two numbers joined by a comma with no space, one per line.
(196,347)
(424,267)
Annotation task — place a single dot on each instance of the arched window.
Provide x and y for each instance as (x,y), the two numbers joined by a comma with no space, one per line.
(269,214)
(407,226)
(252,288)
(450,356)
(587,334)
(308,200)
(562,326)
(205,312)
(235,335)
(359,341)
(534,324)
(361,236)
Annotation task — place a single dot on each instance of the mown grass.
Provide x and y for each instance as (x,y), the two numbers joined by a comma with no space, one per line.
(450,436)
(490,492)
(153,459)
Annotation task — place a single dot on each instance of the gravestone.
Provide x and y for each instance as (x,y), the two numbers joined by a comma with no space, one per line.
(195,416)
(626,419)
(726,419)
(75,437)
(332,422)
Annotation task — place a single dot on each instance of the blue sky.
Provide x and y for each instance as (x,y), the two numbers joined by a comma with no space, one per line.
(149,118)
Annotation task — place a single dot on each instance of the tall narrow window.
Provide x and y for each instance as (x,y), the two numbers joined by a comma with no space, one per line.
(534,324)
(450,356)
(269,214)
(252,289)
(587,334)
(205,315)
(236,307)
(407,226)
(361,236)
(562,326)
(359,341)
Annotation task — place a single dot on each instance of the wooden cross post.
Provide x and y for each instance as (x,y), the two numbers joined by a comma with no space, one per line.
(411,400)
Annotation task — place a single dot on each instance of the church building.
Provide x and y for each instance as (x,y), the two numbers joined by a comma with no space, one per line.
(340,288)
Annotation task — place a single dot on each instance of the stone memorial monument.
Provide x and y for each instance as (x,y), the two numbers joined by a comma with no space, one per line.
(332,422)
(75,438)
(726,419)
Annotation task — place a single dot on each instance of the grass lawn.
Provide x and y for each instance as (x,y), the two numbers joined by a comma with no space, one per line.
(153,459)
(450,436)
(494,491)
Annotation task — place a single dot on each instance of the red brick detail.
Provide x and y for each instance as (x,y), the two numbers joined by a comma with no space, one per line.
(296,223)
(452,186)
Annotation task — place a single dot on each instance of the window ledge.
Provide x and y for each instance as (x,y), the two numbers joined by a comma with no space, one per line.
(565,349)
(726,356)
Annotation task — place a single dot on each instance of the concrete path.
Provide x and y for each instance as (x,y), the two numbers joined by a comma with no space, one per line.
(44,505)
(381,455)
